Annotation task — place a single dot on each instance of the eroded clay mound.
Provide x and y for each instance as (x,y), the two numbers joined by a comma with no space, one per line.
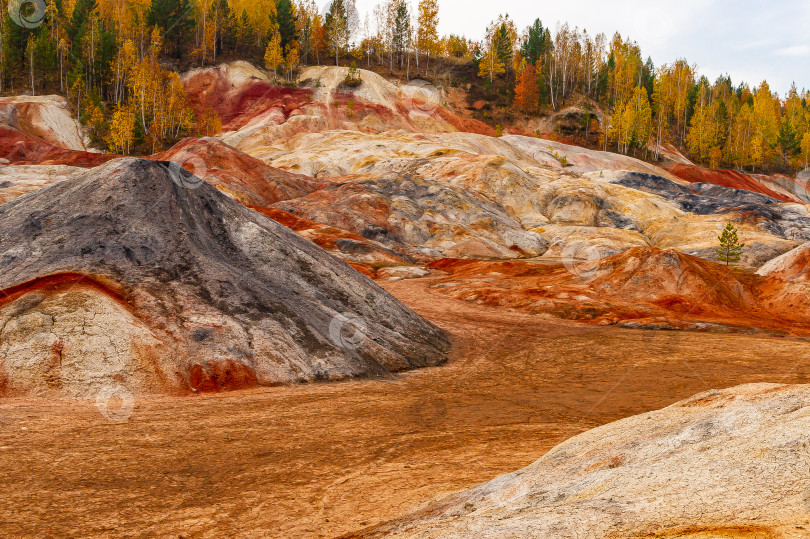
(44,117)
(379,104)
(242,94)
(23,149)
(420,217)
(791,266)
(257,113)
(334,153)
(182,288)
(236,174)
(729,463)
(567,195)
(40,130)
(640,287)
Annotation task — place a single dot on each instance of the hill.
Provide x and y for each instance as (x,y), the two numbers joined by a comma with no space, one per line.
(141,274)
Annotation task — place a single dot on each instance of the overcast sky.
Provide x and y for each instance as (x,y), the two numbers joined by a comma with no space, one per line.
(750,40)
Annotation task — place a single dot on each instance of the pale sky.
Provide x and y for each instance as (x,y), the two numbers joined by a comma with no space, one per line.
(749,39)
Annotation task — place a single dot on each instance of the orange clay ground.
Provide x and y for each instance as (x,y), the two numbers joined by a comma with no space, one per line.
(325,460)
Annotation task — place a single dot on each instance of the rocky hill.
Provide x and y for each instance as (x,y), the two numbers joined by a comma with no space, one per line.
(141,273)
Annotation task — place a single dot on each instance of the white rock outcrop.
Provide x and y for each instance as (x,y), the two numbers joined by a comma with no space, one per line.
(728,463)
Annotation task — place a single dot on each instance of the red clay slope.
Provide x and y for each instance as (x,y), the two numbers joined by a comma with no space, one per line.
(726,178)
(24,149)
(236,106)
(646,285)
(247,179)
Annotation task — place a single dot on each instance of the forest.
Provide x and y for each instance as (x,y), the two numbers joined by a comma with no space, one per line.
(118,62)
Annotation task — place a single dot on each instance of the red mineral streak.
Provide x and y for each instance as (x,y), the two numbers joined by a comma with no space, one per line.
(725,178)
(58,282)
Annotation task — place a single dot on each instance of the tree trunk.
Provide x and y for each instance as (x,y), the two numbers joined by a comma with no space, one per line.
(31,64)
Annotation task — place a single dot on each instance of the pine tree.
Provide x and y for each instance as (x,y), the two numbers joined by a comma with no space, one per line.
(175,18)
(788,140)
(534,45)
(79,18)
(286,19)
(730,247)
(648,76)
(244,32)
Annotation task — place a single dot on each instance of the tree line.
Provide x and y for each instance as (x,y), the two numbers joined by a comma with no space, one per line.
(116,61)
(718,124)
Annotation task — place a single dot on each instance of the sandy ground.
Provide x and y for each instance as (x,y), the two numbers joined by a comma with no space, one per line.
(327,459)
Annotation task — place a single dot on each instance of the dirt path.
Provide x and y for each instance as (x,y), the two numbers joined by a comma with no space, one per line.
(322,460)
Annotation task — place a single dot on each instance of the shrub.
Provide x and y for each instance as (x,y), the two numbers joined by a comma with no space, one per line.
(353,79)
(563,159)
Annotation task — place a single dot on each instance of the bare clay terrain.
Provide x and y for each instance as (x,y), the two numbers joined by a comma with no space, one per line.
(327,459)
